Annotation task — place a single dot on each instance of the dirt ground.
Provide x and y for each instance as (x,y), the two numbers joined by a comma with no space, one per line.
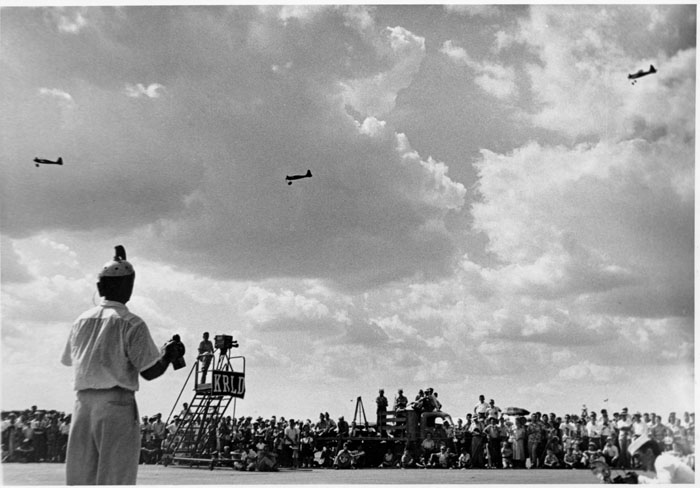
(44,474)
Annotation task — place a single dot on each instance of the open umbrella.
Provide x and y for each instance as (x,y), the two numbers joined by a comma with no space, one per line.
(516,411)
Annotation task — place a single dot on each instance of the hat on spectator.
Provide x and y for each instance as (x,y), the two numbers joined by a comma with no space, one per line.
(638,443)
(118,266)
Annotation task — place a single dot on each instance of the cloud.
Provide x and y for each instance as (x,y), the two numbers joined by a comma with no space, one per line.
(13,270)
(61,96)
(493,78)
(376,95)
(594,65)
(587,371)
(138,90)
(474,10)
(68,20)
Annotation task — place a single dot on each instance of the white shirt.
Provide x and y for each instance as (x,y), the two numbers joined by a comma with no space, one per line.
(669,469)
(640,428)
(481,408)
(109,346)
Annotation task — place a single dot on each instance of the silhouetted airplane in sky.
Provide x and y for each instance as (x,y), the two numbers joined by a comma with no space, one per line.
(640,73)
(298,177)
(39,161)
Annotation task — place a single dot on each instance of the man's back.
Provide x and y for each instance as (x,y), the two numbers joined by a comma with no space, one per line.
(108,346)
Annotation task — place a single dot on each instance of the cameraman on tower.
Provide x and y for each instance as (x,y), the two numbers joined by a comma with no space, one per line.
(108,348)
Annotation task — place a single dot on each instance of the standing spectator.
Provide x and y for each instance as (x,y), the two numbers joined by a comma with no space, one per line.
(185,412)
(519,443)
(292,437)
(593,431)
(343,427)
(639,427)
(400,402)
(307,448)
(493,412)
(39,425)
(493,436)
(382,404)
(458,436)
(146,430)
(206,353)
(507,455)
(624,428)
(477,449)
(481,408)
(534,439)
(64,429)
(8,437)
(52,438)
(108,347)
(657,430)
(158,428)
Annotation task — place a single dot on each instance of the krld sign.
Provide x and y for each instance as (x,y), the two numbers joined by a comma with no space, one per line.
(228,383)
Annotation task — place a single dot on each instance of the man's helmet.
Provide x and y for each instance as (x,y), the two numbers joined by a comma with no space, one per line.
(118,266)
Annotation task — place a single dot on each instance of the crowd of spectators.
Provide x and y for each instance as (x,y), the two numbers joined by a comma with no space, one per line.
(34,435)
(487,437)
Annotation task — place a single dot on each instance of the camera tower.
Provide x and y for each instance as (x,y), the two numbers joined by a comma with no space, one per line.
(194,440)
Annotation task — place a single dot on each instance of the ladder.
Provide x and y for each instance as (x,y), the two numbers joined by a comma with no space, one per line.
(194,440)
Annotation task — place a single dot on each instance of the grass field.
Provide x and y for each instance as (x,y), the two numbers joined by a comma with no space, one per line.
(43,474)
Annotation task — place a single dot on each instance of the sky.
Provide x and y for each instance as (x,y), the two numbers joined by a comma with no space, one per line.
(494,209)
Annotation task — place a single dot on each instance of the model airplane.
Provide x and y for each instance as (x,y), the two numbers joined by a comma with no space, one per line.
(298,177)
(39,161)
(641,72)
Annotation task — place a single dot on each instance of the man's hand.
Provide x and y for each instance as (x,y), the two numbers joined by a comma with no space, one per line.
(173,350)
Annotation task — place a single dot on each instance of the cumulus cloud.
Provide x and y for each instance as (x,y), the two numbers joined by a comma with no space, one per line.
(493,78)
(557,218)
(68,20)
(61,96)
(594,65)
(589,372)
(138,90)
(474,10)
(376,95)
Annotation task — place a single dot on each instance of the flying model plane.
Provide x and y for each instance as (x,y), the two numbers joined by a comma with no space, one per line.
(39,161)
(298,177)
(640,73)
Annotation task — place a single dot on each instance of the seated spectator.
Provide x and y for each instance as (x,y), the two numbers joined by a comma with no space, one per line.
(24,453)
(407,460)
(345,459)
(465,460)
(323,458)
(550,460)
(389,459)
(611,453)
(428,447)
(446,458)
(266,460)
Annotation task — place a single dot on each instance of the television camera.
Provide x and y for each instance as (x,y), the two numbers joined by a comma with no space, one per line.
(224,343)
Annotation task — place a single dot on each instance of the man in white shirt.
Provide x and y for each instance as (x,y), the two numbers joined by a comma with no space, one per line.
(639,426)
(481,408)
(669,469)
(108,348)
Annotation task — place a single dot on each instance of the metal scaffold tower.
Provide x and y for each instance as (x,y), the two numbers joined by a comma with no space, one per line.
(194,440)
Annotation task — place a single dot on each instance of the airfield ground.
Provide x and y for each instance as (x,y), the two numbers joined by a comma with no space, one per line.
(43,474)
